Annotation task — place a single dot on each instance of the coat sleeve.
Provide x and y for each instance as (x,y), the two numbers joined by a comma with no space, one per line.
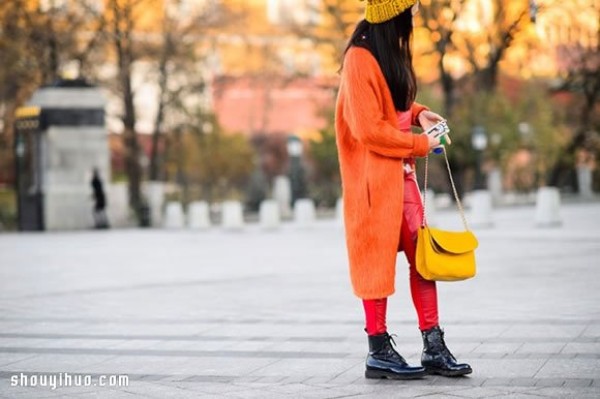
(363,113)
(416,109)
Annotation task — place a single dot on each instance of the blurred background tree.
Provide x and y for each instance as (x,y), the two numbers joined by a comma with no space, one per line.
(500,59)
(38,43)
(208,163)
(511,67)
(325,179)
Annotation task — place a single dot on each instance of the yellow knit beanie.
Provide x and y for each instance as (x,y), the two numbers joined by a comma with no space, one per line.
(379,11)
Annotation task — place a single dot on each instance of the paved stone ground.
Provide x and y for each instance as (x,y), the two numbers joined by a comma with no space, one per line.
(270,314)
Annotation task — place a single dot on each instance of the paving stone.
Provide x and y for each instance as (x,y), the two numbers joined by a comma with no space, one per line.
(505,368)
(578,382)
(592,331)
(522,382)
(592,348)
(186,316)
(534,347)
(7,359)
(549,382)
(497,348)
(474,392)
(521,395)
(579,393)
(575,368)
(550,330)
(491,382)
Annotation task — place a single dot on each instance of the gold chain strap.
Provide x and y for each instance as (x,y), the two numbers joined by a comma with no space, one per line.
(458,202)
(423,219)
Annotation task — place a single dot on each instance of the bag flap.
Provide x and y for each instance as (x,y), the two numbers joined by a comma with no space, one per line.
(458,242)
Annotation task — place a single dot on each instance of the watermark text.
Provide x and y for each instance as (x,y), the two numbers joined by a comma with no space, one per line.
(60,380)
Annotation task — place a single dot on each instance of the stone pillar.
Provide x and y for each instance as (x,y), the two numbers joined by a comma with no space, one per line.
(174,217)
(270,217)
(339,211)
(494,184)
(430,207)
(155,195)
(282,193)
(71,142)
(199,215)
(547,207)
(304,212)
(233,216)
(481,209)
(119,214)
(584,181)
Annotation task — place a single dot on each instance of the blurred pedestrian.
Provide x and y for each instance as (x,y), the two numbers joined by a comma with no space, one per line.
(100,217)
(382,203)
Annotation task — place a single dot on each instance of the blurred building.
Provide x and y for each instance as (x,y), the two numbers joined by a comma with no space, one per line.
(266,74)
(255,105)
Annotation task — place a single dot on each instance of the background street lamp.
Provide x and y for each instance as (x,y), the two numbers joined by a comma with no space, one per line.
(296,170)
(479,141)
(294,147)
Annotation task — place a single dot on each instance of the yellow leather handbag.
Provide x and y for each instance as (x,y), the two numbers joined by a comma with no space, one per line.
(445,255)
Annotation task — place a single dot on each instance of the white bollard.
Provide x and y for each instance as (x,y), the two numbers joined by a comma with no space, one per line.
(494,182)
(443,200)
(430,206)
(198,215)
(481,209)
(233,217)
(155,192)
(304,212)
(585,182)
(174,218)
(547,207)
(339,211)
(269,215)
(282,193)
(118,206)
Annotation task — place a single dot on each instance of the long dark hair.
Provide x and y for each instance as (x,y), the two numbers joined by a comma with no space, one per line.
(389,42)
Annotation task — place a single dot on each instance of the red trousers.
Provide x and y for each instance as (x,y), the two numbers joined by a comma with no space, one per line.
(423,292)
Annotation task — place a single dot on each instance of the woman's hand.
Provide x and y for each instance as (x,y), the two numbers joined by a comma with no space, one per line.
(433,142)
(428,119)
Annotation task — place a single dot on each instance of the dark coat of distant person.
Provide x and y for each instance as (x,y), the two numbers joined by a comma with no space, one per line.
(99,196)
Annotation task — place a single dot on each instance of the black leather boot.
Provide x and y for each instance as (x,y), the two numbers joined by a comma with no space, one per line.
(384,362)
(437,358)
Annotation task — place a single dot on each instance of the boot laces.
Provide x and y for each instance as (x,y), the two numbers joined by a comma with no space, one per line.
(391,351)
(443,346)
(391,338)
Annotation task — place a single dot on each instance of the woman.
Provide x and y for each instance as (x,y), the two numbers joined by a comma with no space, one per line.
(382,203)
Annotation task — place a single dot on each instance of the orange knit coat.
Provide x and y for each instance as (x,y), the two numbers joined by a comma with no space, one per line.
(371,150)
